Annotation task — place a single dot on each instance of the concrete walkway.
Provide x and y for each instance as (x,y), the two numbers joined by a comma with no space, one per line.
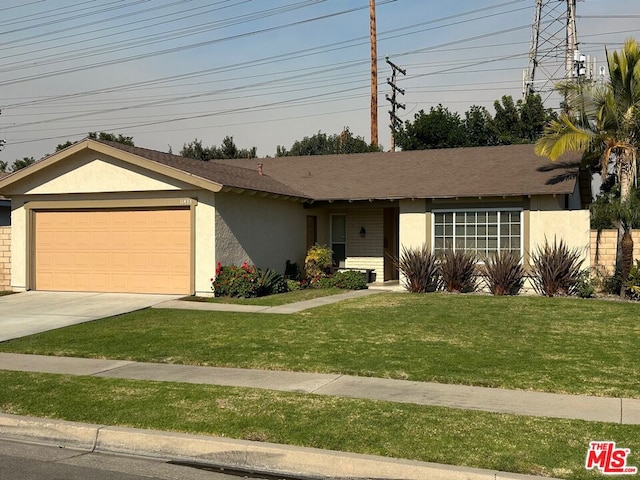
(601,409)
(282,309)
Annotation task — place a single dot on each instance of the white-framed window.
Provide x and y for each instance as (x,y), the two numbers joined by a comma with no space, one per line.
(482,231)
(339,239)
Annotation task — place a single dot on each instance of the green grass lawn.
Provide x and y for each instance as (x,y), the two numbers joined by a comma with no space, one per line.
(547,344)
(274,300)
(551,447)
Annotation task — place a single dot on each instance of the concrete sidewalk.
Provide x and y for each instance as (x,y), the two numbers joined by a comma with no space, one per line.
(281,309)
(601,409)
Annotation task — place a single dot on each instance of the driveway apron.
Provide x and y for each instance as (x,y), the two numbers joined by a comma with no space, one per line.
(26,313)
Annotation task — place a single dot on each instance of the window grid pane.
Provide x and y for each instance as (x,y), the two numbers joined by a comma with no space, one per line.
(482,232)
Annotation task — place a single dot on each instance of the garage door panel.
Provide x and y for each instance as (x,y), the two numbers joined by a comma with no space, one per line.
(138,251)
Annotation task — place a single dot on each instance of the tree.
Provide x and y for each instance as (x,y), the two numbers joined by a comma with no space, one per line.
(109,137)
(322,144)
(227,150)
(605,121)
(439,128)
(3,166)
(479,126)
(20,164)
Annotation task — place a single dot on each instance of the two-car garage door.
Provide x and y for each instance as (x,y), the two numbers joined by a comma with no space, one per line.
(128,250)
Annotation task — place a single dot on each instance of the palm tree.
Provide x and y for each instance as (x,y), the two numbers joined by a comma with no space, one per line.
(604,122)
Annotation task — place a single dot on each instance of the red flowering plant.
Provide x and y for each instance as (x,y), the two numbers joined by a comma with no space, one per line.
(234,281)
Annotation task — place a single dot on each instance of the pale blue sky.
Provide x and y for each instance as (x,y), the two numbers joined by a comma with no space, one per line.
(267,72)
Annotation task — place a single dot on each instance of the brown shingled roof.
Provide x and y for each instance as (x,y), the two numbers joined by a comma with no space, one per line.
(232,176)
(510,170)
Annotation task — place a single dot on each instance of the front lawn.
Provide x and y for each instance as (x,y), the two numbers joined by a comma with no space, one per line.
(511,443)
(548,344)
(274,300)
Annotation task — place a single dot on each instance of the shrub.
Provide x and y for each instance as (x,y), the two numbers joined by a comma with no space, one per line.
(612,284)
(293,285)
(270,282)
(633,282)
(556,269)
(586,286)
(458,270)
(318,262)
(234,281)
(324,282)
(420,269)
(503,273)
(349,280)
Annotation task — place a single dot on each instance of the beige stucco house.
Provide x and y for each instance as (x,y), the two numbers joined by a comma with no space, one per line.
(101,216)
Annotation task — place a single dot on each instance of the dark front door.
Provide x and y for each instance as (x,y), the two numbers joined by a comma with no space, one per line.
(391,242)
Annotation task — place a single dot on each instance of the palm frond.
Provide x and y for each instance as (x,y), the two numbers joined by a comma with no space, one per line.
(561,136)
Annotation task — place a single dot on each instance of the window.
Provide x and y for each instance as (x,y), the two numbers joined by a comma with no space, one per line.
(339,239)
(479,231)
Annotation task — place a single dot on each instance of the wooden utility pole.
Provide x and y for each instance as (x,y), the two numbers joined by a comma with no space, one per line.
(374,73)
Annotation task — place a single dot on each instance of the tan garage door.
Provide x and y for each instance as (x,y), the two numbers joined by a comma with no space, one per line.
(135,251)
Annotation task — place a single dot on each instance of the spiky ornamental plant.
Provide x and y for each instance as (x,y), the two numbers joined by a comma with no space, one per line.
(420,269)
(503,273)
(458,270)
(556,269)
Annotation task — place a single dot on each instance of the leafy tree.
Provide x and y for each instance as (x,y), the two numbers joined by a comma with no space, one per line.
(3,166)
(439,128)
(20,164)
(227,150)
(605,121)
(110,137)
(506,121)
(479,126)
(323,144)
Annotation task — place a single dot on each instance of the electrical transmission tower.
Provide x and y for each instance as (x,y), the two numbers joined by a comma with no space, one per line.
(554,54)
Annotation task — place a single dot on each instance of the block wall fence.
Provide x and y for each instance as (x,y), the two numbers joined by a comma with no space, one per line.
(603,250)
(5,258)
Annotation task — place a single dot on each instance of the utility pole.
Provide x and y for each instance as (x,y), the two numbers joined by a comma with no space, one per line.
(554,41)
(395,121)
(374,72)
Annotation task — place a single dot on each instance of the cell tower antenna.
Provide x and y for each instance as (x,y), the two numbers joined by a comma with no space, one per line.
(554,43)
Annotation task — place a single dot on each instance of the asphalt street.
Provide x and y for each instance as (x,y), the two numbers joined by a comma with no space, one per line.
(23,461)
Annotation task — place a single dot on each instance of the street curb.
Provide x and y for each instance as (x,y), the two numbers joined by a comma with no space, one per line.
(256,457)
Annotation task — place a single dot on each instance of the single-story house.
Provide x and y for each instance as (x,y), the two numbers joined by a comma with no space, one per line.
(102,216)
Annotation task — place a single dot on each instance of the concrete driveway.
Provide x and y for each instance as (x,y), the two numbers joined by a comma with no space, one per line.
(26,313)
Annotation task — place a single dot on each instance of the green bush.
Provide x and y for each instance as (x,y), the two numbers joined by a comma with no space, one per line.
(293,285)
(324,282)
(234,281)
(458,270)
(349,280)
(633,282)
(420,269)
(503,273)
(613,283)
(556,269)
(270,282)
(246,281)
(318,262)
(586,286)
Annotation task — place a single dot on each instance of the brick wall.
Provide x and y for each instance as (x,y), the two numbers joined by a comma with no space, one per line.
(5,258)
(603,252)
